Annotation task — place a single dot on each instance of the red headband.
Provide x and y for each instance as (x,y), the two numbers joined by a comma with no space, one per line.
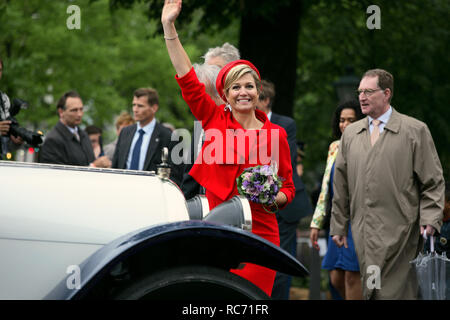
(220,82)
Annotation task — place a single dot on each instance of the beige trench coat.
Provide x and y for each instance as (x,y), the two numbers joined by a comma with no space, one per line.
(387,191)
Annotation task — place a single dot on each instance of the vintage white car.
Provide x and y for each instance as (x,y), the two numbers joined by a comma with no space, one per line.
(85,233)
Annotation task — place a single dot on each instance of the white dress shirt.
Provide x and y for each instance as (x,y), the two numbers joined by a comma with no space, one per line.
(74,131)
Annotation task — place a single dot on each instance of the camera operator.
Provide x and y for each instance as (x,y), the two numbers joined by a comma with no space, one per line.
(6,142)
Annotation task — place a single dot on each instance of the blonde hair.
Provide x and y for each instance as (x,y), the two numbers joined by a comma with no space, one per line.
(124,118)
(236,73)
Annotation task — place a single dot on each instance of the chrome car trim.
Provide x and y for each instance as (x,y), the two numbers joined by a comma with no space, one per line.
(205,204)
(247,212)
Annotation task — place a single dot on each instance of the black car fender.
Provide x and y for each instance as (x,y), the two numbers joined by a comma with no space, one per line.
(172,245)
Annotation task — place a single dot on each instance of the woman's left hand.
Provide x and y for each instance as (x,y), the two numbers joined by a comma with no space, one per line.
(280,199)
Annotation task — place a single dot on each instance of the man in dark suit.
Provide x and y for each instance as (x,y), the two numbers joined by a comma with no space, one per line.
(300,207)
(66,143)
(140,145)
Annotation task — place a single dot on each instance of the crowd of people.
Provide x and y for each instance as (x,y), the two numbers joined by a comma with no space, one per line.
(382,188)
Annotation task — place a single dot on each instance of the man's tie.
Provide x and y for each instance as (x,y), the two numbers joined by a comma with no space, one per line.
(137,152)
(77,136)
(375,132)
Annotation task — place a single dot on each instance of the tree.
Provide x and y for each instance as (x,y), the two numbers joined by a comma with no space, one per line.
(269,38)
(44,58)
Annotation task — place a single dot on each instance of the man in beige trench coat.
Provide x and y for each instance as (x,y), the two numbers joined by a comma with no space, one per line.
(388,182)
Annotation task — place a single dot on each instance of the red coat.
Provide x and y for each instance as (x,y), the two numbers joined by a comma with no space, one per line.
(224,156)
(219,176)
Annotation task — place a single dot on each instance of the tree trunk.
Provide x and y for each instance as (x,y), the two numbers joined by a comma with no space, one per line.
(270,43)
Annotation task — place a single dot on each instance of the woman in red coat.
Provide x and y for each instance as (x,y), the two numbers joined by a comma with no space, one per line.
(237,136)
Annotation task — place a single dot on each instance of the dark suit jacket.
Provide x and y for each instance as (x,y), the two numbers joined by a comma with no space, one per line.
(61,147)
(301,205)
(160,138)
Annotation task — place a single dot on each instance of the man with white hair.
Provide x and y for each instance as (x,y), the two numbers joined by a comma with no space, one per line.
(220,56)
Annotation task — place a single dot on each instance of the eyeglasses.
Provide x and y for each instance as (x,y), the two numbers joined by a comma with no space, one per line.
(367,92)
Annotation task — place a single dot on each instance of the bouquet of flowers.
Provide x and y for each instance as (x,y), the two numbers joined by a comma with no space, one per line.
(260,184)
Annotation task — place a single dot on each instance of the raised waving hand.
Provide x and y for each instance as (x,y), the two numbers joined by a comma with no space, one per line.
(171,10)
(178,56)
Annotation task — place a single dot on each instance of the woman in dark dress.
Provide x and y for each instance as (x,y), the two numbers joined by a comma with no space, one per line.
(342,263)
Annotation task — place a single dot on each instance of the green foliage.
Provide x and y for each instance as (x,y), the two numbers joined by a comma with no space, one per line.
(219,14)
(44,59)
(114,53)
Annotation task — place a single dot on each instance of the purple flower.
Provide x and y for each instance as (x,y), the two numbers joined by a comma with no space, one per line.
(275,188)
(266,170)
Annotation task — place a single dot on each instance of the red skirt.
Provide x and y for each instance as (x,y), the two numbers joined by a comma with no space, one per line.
(264,225)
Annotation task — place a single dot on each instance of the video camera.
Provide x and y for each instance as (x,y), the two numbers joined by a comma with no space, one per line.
(32,138)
